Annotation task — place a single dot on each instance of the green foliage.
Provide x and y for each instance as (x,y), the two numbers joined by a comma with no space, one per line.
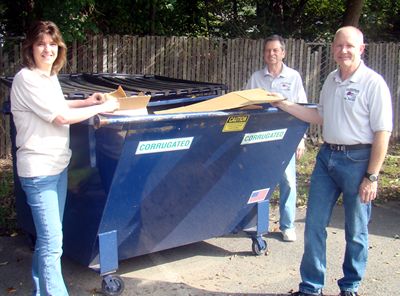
(75,18)
(311,20)
(381,20)
(389,182)
(8,221)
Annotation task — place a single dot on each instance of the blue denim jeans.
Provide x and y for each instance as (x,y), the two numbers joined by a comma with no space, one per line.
(287,196)
(336,173)
(46,197)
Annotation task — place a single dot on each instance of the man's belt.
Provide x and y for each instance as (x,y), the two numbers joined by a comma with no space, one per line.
(337,147)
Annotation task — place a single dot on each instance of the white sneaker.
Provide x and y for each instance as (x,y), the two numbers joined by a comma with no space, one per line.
(289,235)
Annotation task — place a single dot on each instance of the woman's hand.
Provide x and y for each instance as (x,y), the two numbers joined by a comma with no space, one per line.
(109,105)
(77,113)
(95,99)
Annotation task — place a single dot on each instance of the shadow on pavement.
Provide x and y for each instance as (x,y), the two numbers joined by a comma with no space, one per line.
(385,219)
(15,262)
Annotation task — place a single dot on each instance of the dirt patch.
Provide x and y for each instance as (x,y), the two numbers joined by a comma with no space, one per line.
(5,165)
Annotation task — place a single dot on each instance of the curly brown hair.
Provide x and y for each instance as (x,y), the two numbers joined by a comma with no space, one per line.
(36,33)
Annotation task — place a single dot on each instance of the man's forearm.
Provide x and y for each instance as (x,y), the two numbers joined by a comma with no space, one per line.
(310,115)
(378,151)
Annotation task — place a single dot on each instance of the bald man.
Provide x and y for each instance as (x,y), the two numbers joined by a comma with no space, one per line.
(355,111)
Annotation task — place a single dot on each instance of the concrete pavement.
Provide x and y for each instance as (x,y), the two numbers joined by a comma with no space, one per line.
(226,266)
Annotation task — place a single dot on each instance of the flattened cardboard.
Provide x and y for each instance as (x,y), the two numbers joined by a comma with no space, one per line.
(119,93)
(231,100)
(130,104)
(134,102)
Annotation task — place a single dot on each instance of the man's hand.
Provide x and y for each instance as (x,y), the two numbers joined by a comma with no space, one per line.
(276,95)
(367,190)
(281,104)
(301,149)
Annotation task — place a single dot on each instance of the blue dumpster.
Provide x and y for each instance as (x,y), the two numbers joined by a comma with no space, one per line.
(141,184)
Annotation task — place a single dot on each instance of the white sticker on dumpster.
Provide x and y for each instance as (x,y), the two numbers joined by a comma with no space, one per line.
(166,145)
(265,136)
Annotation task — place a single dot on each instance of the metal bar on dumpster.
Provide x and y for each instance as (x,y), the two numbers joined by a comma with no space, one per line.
(101,120)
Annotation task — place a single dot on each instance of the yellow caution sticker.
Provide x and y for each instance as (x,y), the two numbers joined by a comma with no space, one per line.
(235,123)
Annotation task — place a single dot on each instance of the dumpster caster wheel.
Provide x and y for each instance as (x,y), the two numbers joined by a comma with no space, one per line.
(112,285)
(259,247)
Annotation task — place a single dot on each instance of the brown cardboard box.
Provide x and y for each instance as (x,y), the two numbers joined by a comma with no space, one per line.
(230,100)
(134,105)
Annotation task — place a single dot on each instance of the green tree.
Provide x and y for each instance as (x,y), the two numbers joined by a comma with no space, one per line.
(353,12)
(312,20)
(74,17)
(380,20)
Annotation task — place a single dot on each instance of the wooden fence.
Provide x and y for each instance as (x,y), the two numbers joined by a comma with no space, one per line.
(228,61)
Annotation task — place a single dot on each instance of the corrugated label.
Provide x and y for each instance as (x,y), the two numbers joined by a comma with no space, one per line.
(166,145)
(265,136)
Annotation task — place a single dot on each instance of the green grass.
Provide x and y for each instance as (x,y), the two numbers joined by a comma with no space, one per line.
(8,221)
(389,182)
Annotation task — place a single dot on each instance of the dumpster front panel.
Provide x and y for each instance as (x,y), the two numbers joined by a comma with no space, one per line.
(174,182)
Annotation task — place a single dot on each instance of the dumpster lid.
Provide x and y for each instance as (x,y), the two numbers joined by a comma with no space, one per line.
(80,85)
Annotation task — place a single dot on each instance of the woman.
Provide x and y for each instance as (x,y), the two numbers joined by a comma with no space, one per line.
(42,117)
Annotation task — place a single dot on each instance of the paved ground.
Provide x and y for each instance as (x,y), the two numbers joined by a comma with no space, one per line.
(226,266)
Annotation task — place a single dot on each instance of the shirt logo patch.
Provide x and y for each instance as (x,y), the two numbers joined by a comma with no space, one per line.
(351,94)
(285,85)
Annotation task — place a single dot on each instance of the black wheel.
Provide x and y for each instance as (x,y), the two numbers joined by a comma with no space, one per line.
(112,285)
(257,248)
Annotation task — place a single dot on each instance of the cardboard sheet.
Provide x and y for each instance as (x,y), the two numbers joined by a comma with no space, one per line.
(119,93)
(134,105)
(230,100)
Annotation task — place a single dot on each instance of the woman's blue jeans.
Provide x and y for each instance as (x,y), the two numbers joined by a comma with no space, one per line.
(46,197)
(336,173)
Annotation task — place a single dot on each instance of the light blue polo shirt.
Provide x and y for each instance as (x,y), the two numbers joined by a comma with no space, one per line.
(352,110)
(288,83)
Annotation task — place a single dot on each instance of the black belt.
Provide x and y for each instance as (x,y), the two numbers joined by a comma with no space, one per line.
(337,147)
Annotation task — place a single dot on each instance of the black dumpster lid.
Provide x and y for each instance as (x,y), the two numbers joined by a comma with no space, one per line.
(159,87)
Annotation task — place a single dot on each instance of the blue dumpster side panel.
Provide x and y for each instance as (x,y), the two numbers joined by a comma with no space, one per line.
(87,196)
